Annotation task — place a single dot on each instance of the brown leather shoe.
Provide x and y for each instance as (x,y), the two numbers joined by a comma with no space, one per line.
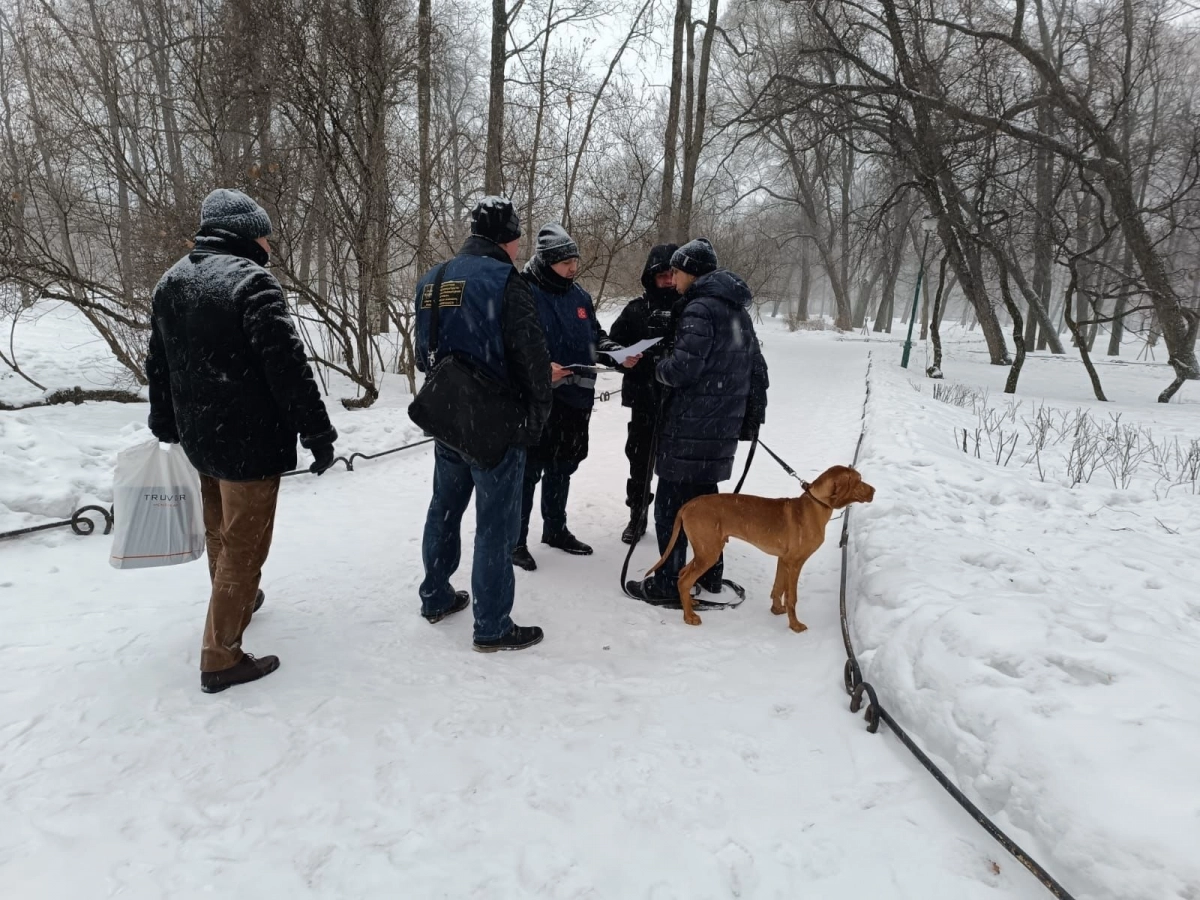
(247,669)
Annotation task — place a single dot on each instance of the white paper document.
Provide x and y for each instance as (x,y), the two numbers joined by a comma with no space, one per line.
(625,352)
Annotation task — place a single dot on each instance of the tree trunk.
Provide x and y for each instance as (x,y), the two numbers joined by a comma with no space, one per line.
(894,278)
(424,116)
(825,240)
(493,179)
(158,38)
(805,285)
(538,124)
(865,287)
(1080,342)
(1036,301)
(886,314)
(942,194)
(844,242)
(1043,245)
(111,89)
(666,223)
(695,139)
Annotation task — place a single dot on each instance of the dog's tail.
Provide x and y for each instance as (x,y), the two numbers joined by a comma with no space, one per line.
(670,544)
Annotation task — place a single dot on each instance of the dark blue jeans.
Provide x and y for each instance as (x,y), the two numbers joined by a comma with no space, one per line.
(555,476)
(669,498)
(497,518)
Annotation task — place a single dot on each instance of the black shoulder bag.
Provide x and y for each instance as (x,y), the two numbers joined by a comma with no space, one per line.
(461,405)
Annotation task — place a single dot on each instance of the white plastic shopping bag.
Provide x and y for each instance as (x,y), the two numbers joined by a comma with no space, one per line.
(157,510)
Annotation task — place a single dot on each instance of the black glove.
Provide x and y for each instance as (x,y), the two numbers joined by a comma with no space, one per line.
(322,458)
(749,430)
(166,437)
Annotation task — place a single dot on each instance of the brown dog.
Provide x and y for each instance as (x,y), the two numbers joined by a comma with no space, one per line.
(790,529)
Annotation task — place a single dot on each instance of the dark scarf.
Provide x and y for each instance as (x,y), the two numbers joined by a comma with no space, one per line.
(212,240)
(661,298)
(547,279)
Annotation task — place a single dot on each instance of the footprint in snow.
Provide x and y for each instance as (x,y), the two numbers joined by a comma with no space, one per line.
(740,869)
(1080,672)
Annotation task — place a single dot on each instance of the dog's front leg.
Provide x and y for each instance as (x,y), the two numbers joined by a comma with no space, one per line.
(793,583)
(779,589)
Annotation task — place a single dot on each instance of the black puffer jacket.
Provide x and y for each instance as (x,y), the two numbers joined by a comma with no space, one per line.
(710,373)
(229,379)
(648,316)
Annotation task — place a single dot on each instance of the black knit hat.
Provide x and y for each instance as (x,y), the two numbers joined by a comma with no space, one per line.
(233,211)
(495,218)
(696,257)
(555,245)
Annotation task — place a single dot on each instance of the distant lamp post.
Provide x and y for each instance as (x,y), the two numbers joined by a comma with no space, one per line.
(928,225)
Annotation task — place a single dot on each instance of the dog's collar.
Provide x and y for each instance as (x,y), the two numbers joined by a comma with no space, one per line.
(808,490)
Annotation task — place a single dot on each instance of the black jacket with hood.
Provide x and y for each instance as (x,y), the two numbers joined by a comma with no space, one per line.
(648,316)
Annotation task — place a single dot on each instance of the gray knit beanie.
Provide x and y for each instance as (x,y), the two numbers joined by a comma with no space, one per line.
(695,257)
(233,211)
(554,245)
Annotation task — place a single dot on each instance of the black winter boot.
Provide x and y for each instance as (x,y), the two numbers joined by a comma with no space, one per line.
(653,591)
(711,581)
(461,601)
(567,542)
(635,529)
(522,559)
(518,638)
(246,670)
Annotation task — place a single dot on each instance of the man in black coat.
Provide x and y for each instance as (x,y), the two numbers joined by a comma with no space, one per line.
(230,381)
(717,382)
(487,316)
(648,316)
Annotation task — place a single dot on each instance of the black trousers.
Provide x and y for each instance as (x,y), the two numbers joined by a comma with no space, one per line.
(638,444)
(552,461)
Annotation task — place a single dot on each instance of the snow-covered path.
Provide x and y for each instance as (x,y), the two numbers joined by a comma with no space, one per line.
(628,756)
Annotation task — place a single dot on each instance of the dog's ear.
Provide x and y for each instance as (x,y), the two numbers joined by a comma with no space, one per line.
(844,483)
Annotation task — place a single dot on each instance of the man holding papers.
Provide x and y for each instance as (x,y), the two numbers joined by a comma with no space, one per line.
(647,317)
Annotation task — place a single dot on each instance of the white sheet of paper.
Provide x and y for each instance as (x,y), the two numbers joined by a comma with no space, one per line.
(633,350)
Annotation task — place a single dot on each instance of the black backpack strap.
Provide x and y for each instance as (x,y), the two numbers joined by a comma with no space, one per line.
(436,301)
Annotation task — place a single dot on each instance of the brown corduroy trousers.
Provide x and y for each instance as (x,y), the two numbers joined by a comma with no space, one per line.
(239,519)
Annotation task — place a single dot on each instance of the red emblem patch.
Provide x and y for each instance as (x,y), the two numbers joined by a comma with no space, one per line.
(581,312)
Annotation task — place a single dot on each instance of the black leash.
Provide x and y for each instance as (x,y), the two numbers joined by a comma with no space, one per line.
(749,459)
(775,456)
(642,510)
(874,713)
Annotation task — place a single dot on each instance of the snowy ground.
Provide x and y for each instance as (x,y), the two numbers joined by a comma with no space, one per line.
(1042,640)
(628,755)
